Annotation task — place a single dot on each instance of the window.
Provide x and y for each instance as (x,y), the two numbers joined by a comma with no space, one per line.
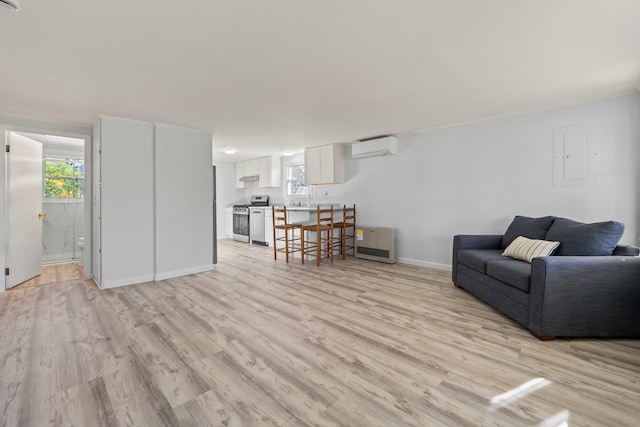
(295,181)
(63,178)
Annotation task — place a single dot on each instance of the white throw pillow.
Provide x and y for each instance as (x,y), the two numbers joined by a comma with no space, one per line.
(528,249)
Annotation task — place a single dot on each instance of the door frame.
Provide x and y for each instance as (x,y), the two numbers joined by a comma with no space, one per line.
(88,191)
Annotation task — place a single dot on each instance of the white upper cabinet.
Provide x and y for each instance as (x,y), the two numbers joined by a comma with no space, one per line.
(312,165)
(252,167)
(239,174)
(265,170)
(247,172)
(270,172)
(324,164)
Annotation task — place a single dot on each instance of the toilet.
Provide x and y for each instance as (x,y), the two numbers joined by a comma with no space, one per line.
(80,250)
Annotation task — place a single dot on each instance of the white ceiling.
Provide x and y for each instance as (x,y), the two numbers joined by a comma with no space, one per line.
(270,76)
(57,142)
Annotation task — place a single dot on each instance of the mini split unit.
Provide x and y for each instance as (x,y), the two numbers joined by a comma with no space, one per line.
(384,146)
(11,4)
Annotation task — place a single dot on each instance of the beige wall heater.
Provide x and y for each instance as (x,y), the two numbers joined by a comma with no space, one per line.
(376,244)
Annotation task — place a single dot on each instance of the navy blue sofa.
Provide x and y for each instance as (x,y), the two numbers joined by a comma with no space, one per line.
(590,287)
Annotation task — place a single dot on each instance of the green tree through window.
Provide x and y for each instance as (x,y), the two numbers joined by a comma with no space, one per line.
(63,179)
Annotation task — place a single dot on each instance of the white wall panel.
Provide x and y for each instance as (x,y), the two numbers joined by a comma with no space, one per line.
(127,202)
(184,201)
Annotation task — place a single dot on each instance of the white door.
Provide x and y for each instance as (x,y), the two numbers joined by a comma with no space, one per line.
(96,253)
(24,251)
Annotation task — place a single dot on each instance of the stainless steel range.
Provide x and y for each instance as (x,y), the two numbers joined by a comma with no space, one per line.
(241,217)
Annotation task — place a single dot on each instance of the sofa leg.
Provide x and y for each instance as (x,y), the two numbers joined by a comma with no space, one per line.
(456,285)
(543,337)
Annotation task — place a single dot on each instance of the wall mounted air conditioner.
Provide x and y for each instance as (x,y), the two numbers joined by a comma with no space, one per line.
(376,244)
(375,147)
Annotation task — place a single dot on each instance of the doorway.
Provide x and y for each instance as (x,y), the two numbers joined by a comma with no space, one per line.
(63,198)
(64,210)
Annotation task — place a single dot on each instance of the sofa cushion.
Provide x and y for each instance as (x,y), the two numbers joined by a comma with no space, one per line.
(577,238)
(527,249)
(533,228)
(512,272)
(477,258)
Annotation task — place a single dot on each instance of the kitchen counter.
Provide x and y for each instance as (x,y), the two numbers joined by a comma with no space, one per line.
(313,208)
(307,214)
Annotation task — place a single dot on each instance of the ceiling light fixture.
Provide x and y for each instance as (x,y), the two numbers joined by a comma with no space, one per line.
(11,4)
(226,150)
(288,153)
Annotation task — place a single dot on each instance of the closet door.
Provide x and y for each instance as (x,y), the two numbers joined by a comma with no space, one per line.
(127,202)
(184,201)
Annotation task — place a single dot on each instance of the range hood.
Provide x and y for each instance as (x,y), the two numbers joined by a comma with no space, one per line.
(249,178)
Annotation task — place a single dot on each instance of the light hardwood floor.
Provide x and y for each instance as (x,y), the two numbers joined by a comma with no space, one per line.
(261,342)
(54,273)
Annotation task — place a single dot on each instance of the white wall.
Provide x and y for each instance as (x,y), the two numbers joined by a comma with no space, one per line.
(474,178)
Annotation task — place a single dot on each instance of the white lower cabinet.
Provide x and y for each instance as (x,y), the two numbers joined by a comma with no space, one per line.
(268,226)
(228,222)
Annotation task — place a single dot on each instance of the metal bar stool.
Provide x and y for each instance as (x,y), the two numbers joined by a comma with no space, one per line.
(292,243)
(323,228)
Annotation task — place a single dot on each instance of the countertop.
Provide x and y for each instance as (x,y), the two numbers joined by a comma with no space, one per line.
(314,208)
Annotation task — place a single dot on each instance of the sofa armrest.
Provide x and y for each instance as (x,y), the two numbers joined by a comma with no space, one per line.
(584,296)
(472,241)
(626,250)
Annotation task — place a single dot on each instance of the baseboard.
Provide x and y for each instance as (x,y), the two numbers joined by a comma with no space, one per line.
(57,258)
(434,265)
(108,284)
(184,272)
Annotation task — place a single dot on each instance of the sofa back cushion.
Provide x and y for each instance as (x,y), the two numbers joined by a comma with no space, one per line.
(532,228)
(577,238)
